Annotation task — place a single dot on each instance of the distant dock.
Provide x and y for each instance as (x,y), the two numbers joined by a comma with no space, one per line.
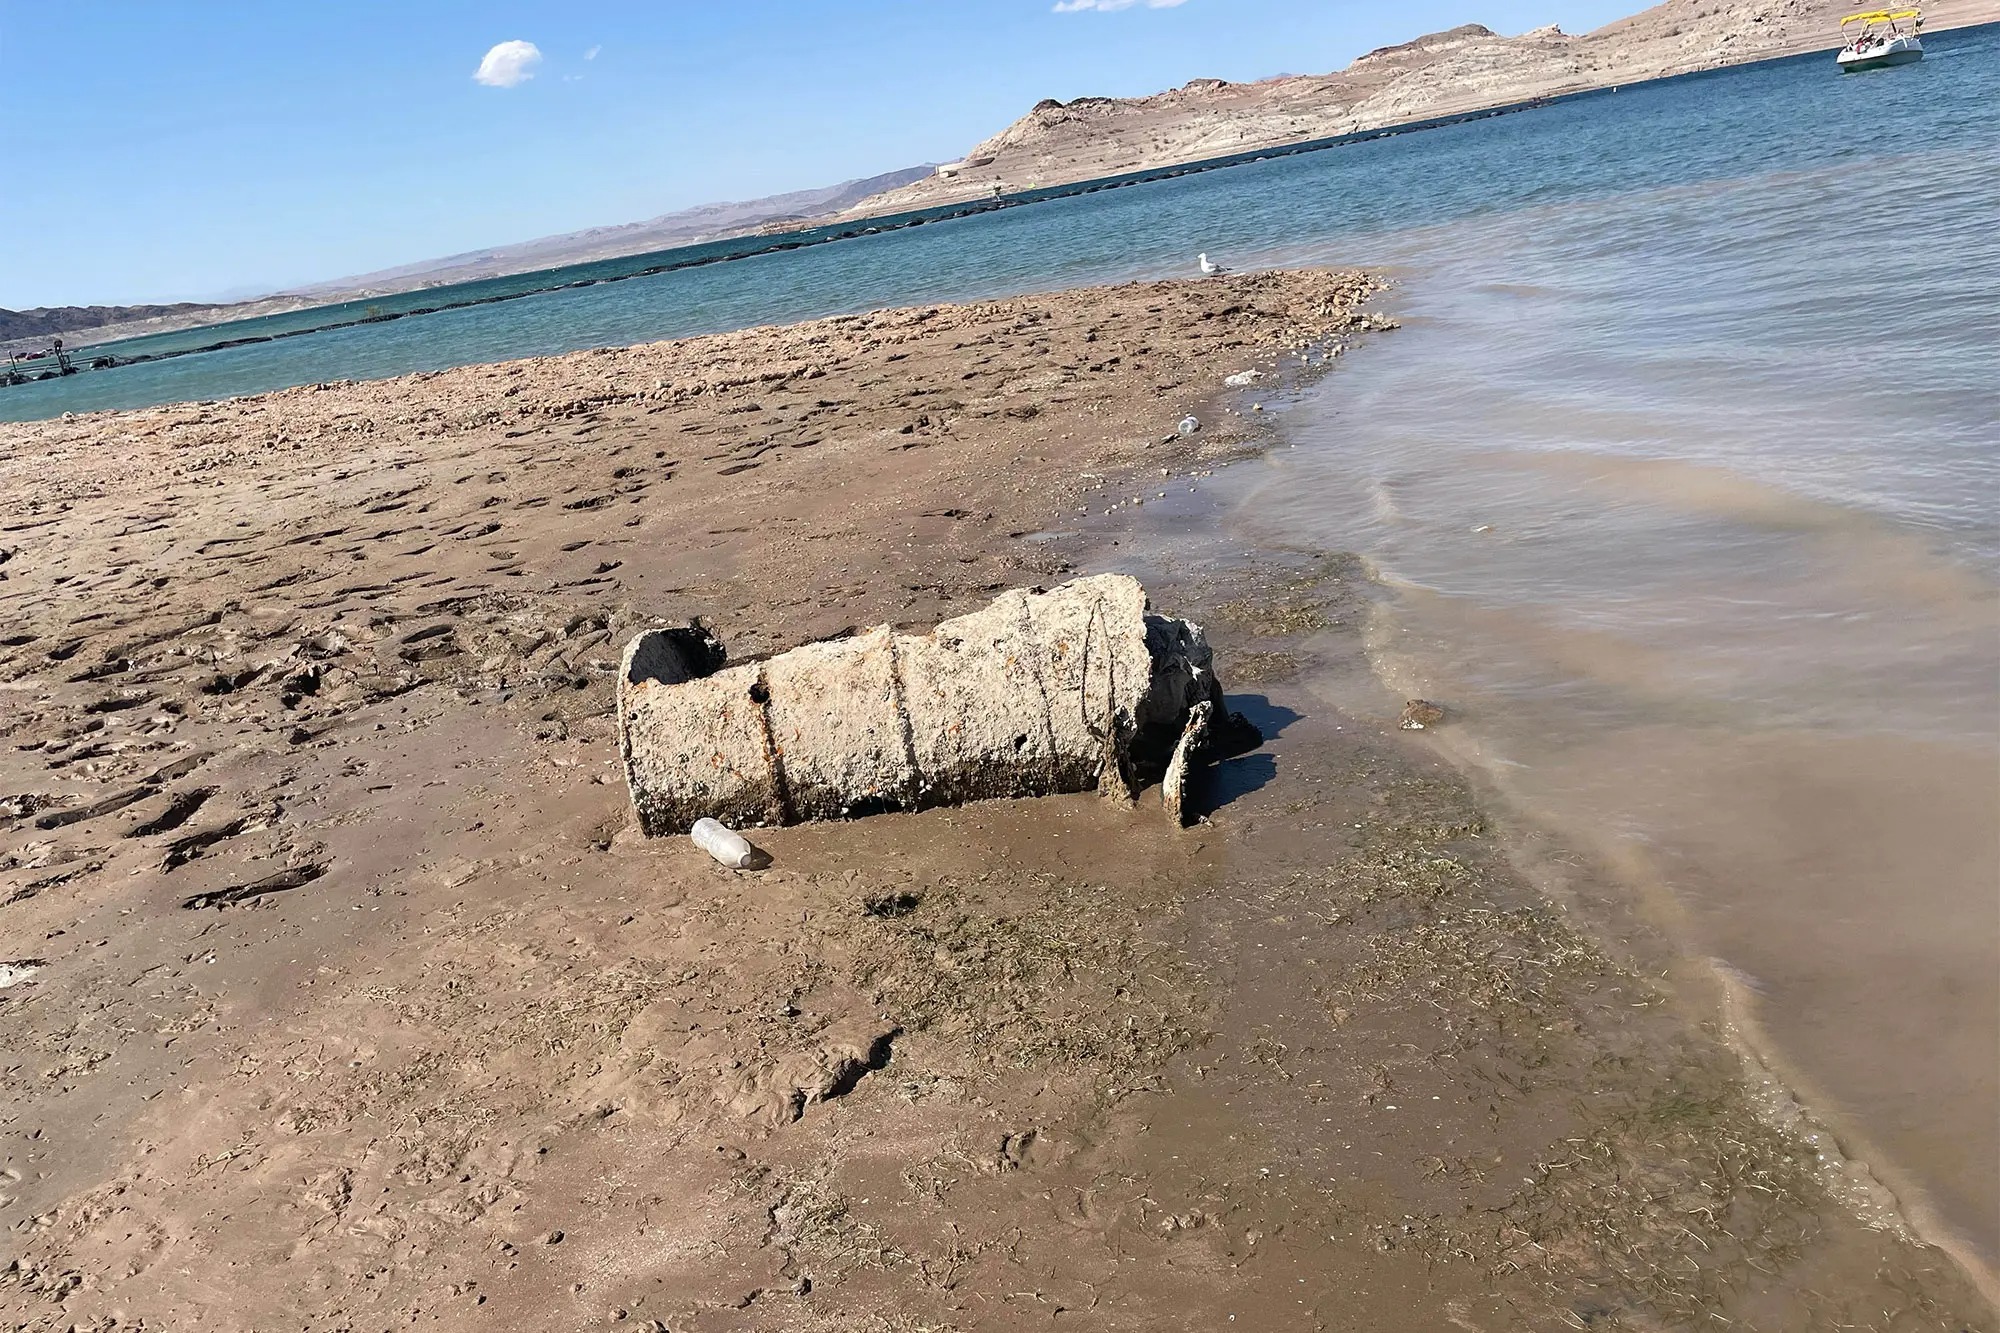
(52,362)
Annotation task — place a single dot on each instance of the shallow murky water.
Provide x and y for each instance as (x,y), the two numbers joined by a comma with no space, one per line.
(1687,502)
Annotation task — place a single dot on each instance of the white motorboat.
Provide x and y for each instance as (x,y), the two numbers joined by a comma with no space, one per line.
(1885,37)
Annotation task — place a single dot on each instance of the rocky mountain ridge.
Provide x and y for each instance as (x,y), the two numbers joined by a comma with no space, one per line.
(1462,69)
(45,322)
(688,226)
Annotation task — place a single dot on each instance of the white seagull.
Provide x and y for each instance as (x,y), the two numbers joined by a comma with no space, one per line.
(1209,267)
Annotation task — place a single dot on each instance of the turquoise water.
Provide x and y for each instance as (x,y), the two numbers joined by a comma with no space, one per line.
(1683,477)
(1702,127)
(375,311)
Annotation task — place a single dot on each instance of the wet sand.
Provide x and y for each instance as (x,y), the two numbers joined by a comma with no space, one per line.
(338,993)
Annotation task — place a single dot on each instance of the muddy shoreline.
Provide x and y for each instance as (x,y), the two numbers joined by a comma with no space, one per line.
(1332,667)
(350,1001)
(1610,901)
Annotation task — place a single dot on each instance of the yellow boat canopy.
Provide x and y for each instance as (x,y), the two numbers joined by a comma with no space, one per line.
(1882,16)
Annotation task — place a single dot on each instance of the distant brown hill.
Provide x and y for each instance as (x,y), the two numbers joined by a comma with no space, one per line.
(53,321)
(32,328)
(1445,73)
(690,225)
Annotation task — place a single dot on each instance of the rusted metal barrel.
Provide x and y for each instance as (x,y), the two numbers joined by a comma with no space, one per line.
(1075,688)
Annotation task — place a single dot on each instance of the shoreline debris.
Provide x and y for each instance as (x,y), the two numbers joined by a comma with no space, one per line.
(728,847)
(1040,692)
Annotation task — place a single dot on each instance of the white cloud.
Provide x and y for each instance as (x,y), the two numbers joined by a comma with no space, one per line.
(509,65)
(591,54)
(1109,6)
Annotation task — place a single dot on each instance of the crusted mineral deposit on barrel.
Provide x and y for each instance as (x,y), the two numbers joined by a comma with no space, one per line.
(1075,688)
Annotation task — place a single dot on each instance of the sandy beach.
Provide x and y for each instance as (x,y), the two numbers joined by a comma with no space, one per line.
(337,992)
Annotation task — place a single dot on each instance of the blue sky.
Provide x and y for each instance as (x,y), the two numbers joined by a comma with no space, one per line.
(171,150)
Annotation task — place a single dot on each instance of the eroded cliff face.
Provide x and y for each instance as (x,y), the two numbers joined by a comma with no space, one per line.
(1461,69)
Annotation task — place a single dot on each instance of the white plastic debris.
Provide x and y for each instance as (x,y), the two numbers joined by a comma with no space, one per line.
(725,845)
(14,974)
(1189,425)
(1243,379)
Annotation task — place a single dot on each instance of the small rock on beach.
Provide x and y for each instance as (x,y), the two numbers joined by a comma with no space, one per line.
(1419,714)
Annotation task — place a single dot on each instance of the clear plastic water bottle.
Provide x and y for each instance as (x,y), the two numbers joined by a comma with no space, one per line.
(726,846)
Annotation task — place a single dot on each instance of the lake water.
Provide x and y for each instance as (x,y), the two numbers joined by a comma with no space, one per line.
(1688,503)
(1682,477)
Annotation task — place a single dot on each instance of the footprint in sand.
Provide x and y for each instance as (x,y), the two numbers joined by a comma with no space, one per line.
(282,882)
(180,809)
(192,845)
(95,810)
